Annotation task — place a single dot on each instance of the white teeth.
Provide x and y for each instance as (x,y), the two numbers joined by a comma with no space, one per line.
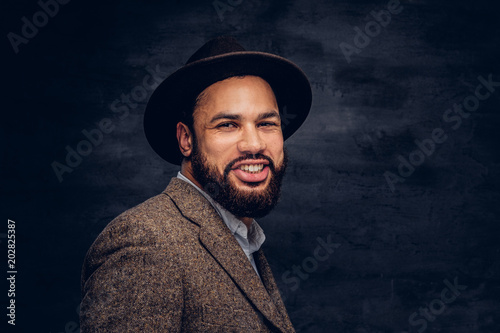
(252,168)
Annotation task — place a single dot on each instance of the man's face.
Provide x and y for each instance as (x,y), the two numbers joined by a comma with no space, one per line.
(238,154)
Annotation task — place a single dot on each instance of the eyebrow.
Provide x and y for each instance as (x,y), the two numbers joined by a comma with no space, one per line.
(270,114)
(230,116)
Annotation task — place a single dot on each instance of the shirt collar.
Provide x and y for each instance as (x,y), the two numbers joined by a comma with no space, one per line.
(254,234)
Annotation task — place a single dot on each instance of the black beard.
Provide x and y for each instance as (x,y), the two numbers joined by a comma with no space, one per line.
(239,203)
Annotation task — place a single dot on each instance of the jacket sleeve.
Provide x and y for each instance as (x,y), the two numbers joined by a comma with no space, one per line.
(131,282)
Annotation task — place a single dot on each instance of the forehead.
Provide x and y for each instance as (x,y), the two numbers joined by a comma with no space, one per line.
(236,94)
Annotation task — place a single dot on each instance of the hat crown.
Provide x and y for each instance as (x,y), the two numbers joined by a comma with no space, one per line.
(216,46)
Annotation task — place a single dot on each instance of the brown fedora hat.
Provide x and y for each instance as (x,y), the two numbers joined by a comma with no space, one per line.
(219,59)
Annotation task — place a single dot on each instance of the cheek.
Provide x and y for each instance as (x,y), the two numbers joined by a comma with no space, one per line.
(220,153)
(276,149)
(280,159)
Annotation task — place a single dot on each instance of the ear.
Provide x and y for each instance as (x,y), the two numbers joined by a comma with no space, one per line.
(185,139)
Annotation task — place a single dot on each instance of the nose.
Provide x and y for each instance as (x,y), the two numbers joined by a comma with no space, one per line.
(251,142)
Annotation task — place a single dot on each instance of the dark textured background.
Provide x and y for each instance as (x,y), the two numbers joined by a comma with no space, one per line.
(395,248)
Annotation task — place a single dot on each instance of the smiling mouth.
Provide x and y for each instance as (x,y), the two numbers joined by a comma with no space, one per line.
(251,168)
(249,171)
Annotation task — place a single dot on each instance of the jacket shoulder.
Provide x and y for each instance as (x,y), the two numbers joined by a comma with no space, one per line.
(146,221)
(156,224)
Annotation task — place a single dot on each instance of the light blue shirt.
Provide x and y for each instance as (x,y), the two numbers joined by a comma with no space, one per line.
(250,239)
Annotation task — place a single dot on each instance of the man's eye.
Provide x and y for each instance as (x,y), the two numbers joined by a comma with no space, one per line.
(267,123)
(225,125)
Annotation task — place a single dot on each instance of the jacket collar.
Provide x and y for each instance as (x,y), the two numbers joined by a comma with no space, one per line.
(216,237)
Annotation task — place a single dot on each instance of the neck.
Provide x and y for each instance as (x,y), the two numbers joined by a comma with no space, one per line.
(187,171)
(247,221)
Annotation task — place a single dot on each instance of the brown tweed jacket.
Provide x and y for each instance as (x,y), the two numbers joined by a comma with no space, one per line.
(170,264)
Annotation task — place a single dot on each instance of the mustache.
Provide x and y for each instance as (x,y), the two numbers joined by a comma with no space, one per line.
(257,156)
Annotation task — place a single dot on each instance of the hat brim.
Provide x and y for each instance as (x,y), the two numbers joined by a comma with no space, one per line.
(179,90)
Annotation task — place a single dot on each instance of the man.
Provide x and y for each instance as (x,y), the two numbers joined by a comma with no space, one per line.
(189,259)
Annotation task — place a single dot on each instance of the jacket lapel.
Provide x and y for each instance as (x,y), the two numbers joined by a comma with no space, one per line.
(216,237)
(270,284)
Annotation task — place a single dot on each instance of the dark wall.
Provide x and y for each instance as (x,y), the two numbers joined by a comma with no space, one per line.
(402,240)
